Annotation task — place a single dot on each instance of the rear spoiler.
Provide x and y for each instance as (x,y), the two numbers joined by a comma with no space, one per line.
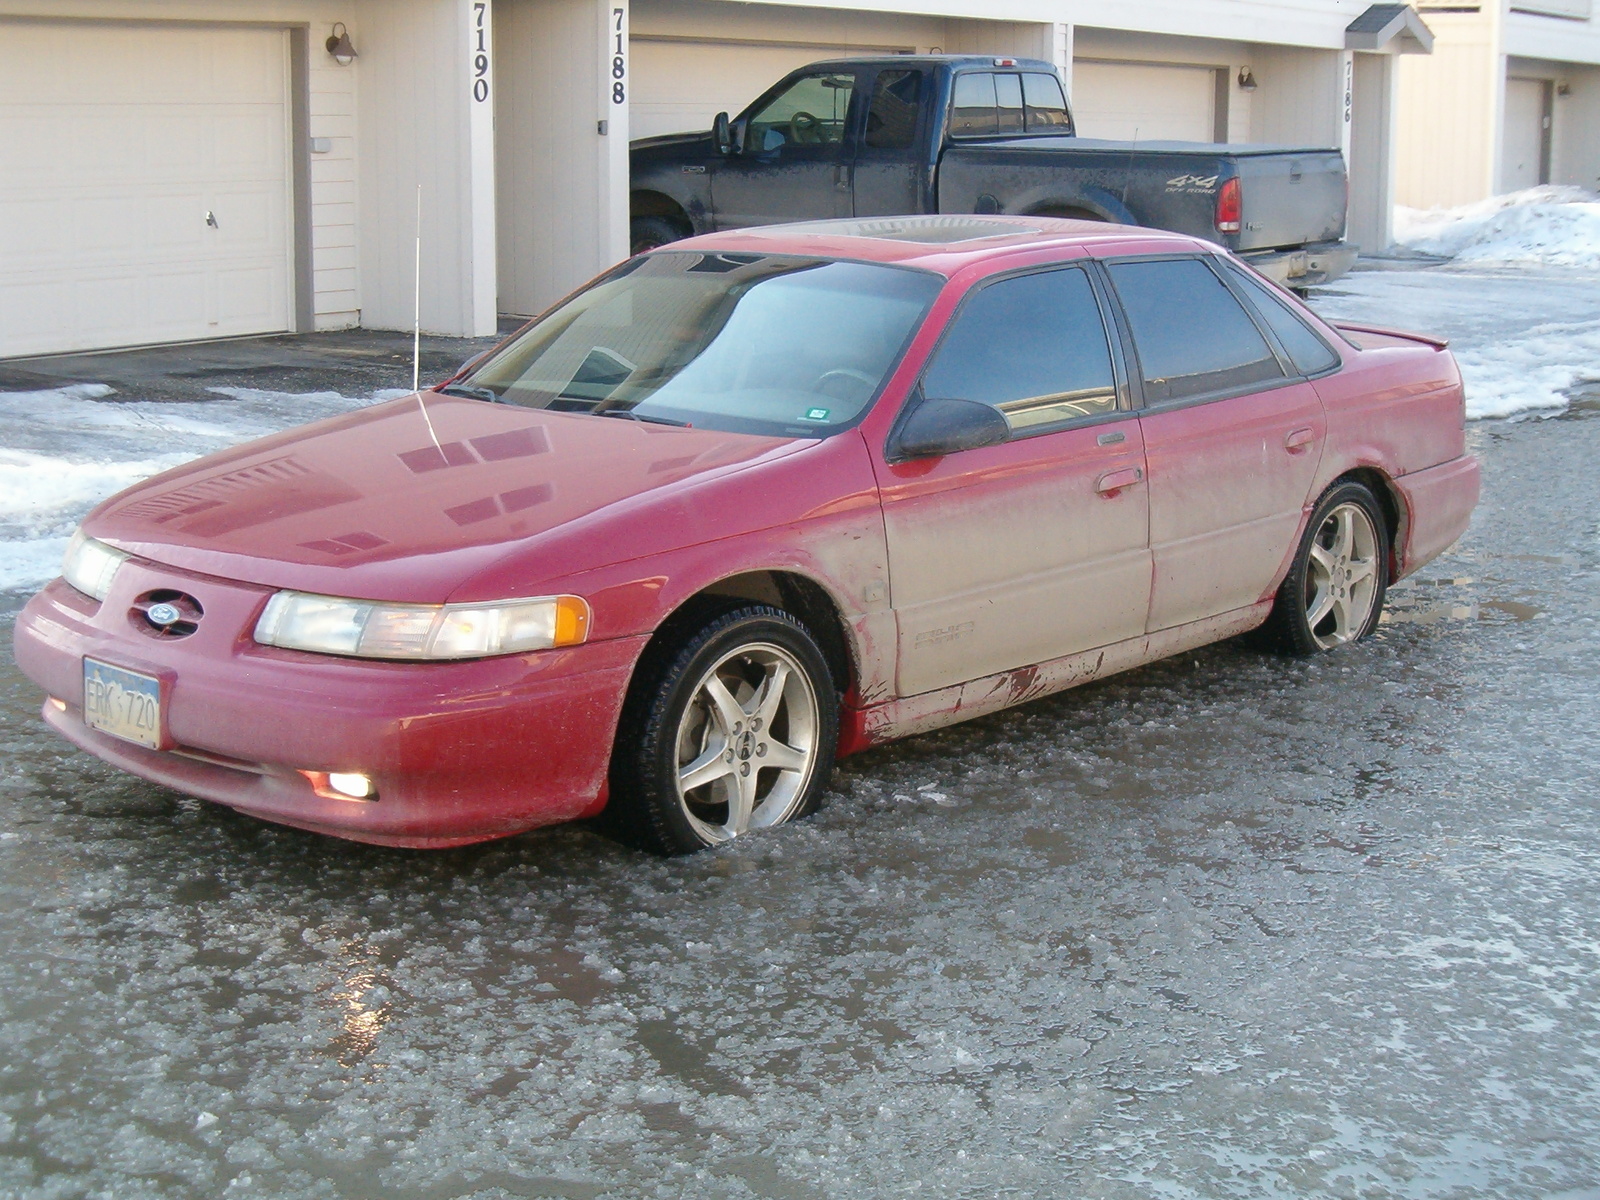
(1438,343)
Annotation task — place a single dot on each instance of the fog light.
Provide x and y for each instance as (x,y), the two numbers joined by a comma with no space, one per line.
(341,785)
(58,705)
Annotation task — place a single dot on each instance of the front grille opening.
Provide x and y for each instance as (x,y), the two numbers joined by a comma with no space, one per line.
(165,602)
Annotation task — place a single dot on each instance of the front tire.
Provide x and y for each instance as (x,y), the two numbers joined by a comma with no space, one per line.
(647,233)
(1333,594)
(733,732)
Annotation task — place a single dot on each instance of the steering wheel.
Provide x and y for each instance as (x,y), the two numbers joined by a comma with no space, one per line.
(845,384)
(805,129)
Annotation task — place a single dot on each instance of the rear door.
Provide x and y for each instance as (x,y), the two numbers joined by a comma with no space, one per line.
(888,174)
(1232,436)
(1015,554)
(797,155)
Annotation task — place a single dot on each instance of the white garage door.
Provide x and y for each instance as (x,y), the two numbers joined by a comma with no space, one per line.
(144,185)
(1124,101)
(680,86)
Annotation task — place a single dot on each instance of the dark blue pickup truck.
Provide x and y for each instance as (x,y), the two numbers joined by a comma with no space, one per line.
(863,137)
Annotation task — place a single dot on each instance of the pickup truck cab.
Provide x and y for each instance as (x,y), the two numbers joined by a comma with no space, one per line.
(867,137)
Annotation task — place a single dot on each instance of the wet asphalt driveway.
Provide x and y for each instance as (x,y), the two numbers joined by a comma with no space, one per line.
(1229,926)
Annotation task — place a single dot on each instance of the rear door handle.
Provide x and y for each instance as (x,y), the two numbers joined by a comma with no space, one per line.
(841,177)
(1113,482)
(1297,440)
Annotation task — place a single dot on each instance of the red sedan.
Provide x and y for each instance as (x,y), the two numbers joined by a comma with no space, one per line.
(859,480)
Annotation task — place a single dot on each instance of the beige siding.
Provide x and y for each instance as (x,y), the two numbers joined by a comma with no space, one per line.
(1297,101)
(562,187)
(415,72)
(1450,103)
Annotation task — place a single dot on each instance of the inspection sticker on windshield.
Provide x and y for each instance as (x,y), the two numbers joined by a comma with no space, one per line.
(816,414)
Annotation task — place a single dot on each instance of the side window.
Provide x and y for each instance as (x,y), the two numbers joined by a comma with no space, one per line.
(1046,104)
(1033,346)
(809,112)
(1008,102)
(972,108)
(892,115)
(1309,353)
(1193,336)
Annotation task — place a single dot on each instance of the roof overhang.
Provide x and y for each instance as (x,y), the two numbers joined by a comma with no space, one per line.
(1389,29)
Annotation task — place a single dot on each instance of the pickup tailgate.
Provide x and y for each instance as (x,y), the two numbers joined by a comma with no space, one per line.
(1289,197)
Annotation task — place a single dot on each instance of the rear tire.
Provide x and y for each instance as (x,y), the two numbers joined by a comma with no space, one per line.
(646,233)
(1333,594)
(733,731)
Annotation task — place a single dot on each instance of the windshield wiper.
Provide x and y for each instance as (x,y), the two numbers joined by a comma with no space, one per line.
(629,415)
(472,393)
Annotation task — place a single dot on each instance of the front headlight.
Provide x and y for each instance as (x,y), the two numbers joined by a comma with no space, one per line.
(90,566)
(369,629)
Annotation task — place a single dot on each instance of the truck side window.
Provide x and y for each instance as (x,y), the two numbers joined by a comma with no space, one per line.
(1193,336)
(972,107)
(1309,353)
(892,115)
(1008,106)
(1034,346)
(1047,105)
(811,111)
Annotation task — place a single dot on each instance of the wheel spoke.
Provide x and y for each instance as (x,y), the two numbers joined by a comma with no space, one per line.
(729,714)
(711,765)
(1344,536)
(741,803)
(764,705)
(1341,619)
(1323,557)
(1320,607)
(1362,569)
(785,758)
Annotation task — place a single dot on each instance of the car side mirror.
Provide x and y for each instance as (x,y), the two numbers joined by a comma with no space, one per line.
(938,427)
(472,362)
(722,134)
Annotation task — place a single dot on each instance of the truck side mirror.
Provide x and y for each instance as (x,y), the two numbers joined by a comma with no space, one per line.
(938,427)
(721,134)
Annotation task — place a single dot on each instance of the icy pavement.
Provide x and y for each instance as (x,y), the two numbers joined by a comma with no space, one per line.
(1230,926)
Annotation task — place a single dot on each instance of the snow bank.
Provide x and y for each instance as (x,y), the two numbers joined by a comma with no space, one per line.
(1554,226)
(64,450)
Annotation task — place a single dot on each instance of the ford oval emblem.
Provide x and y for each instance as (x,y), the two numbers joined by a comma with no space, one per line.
(164,615)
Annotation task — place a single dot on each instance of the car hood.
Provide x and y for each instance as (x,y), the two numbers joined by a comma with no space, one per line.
(374,505)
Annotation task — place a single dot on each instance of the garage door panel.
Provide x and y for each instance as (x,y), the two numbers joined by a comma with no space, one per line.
(1147,101)
(110,160)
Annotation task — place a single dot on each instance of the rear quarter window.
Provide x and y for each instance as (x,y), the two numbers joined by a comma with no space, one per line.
(1309,353)
(1192,335)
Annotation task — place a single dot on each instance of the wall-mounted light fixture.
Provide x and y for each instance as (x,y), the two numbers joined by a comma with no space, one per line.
(1563,88)
(339,46)
(1247,79)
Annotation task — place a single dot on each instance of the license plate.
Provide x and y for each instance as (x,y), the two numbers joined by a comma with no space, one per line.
(123,703)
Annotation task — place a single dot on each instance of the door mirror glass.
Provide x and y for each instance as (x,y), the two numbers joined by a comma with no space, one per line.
(947,426)
(722,134)
(739,133)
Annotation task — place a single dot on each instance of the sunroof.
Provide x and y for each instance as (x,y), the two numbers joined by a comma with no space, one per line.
(930,231)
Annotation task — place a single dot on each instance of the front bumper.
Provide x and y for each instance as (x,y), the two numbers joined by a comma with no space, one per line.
(1306,266)
(459,752)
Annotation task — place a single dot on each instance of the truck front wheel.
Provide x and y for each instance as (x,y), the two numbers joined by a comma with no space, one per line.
(646,233)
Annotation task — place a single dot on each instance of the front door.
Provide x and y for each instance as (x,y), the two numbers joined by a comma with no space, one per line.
(1232,437)
(1014,554)
(796,160)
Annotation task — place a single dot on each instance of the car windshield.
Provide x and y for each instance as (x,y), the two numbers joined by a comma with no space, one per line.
(746,343)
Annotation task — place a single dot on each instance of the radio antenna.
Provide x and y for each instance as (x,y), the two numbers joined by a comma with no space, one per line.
(416,331)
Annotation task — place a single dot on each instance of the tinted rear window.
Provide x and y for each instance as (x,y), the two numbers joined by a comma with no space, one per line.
(1033,346)
(1309,353)
(1192,334)
(1008,102)
(972,110)
(1047,105)
(892,115)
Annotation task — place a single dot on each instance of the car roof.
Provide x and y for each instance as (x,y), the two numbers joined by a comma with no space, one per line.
(946,243)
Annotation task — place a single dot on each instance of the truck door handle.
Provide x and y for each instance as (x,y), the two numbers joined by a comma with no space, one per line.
(1113,482)
(841,177)
(1297,440)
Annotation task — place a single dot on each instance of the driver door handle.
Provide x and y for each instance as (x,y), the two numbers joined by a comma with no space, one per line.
(841,177)
(1112,482)
(1299,439)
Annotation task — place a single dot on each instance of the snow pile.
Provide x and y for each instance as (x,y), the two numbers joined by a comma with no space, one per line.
(1554,226)
(64,450)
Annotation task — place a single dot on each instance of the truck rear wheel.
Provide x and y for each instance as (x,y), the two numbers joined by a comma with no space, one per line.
(646,233)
